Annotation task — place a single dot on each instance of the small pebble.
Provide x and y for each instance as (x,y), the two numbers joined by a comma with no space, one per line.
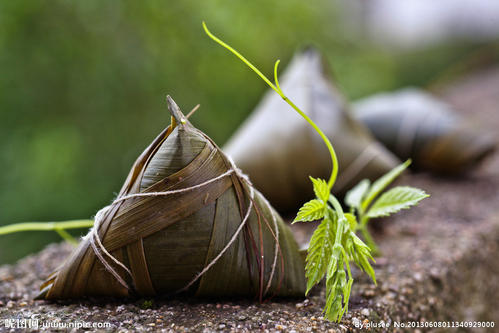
(369,293)
(365,312)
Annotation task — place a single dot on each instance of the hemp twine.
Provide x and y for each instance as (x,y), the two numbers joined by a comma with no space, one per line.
(99,249)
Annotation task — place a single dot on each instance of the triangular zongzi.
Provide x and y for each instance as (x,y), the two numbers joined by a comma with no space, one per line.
(279,150)
(186,220)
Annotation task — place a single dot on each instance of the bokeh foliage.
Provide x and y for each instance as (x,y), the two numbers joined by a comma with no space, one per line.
(82,87)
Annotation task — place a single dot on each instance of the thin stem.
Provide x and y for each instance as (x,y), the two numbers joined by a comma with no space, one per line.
(275,75)
(332,153)
(363,220)
(240,56)
(66,236)
(346,262)
(277,89)
(362,226)
(336,204)
(341,218)
(45,226)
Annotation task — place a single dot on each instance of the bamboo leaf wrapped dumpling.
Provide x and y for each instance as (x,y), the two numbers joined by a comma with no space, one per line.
(278,150)
(414,124)
(185,220)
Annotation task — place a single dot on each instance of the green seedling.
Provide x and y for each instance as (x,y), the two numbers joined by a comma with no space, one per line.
(59,227)
(334,244)
(368,201)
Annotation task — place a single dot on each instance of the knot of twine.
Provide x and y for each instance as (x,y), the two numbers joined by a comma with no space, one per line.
(100,250)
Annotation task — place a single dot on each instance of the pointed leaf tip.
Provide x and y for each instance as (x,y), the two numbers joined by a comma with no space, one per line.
(321,188)
(175,110)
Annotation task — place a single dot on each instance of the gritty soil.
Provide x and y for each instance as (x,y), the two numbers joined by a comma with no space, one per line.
(439,263)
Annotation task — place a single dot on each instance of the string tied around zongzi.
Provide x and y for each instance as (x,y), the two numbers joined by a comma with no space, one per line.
(100,216)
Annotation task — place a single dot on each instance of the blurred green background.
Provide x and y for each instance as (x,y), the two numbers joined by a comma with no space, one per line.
(83,85)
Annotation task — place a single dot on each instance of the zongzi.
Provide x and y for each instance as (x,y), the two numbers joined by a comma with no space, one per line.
(186,220)
(279,150)
(414,124)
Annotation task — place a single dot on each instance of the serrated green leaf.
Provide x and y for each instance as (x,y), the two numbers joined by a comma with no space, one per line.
(319,253)
(349,246)
(366,266)
(311,211)
(380,184)
(396,199)
(354,197)
(361,255)
(321,189)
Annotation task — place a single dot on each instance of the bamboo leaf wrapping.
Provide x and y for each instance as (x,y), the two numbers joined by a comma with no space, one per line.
(414,124)
(166,241)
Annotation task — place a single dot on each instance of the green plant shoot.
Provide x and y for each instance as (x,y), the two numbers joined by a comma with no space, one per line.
(59,227)
(334,244)
(362,204)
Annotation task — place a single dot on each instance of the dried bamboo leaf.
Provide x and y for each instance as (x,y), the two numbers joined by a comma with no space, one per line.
(279,150)
(414,124)
(165,241)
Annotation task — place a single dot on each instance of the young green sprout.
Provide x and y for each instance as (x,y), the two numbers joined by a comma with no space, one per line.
(59,227)
(334,244)
(362,203)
